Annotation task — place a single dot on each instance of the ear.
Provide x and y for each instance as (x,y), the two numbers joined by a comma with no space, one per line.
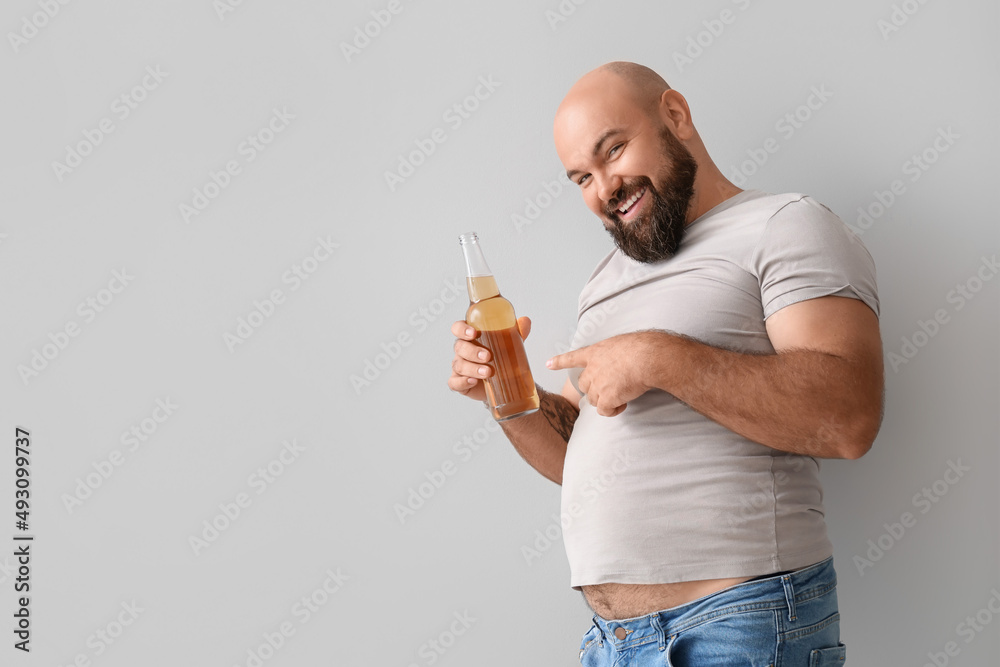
(675,114)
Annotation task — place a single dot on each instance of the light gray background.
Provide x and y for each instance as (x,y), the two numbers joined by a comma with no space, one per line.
(324,176)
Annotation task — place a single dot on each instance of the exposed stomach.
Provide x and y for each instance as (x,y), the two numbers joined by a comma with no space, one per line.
(617,601)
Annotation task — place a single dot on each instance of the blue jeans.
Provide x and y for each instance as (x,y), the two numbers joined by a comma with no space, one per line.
(789,620)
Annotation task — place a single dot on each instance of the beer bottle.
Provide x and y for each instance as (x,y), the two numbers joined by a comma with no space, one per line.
(510,390)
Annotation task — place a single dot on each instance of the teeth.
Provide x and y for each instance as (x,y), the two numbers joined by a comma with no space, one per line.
(633,199)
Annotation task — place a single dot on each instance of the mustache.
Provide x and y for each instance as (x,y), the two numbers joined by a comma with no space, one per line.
(623,195)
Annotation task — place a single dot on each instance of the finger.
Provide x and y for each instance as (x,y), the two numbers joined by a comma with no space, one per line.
(616,411)
(571,359)
(523,327)
(470,369)
(468,387)
(607,408)
(471,351)
(461,329)
(461,384)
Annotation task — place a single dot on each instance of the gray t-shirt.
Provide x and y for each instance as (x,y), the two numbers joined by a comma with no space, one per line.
(661,493)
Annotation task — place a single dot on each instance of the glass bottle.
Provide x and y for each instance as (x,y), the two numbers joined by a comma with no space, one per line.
(510,390)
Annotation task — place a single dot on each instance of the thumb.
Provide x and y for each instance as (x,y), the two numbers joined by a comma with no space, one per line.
(523,327)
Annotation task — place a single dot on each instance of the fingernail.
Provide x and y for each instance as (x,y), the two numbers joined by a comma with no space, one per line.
(548,364)
(469,331)
(482,354)
(482,370)
(473,380)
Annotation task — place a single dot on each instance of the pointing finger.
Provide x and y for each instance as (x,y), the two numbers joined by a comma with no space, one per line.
(571,359)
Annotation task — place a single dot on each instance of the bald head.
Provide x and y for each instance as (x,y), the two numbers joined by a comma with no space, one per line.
(647,85)
(621,128)
(638,84)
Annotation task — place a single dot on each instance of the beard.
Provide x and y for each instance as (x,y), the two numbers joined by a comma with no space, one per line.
(656,233)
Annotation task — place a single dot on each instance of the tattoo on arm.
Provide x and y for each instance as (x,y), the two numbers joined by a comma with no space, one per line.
(559,412)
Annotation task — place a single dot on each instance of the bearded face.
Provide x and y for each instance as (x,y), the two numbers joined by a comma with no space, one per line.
(646,219)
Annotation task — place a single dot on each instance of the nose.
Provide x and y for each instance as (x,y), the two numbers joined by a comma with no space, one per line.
(608,186)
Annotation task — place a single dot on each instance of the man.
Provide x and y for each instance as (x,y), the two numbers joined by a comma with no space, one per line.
(728,341)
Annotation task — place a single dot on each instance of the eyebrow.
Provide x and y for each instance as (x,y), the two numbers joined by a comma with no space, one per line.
(597,148)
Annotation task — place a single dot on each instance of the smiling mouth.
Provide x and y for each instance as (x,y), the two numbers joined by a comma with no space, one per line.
(629,203)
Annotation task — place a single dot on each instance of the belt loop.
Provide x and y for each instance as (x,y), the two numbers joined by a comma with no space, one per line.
(657,623)
(786,581)
(599,631)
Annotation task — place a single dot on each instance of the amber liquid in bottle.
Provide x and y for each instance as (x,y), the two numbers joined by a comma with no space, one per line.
(510,389)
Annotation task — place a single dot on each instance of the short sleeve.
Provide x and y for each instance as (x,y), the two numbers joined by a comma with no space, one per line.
(805,252)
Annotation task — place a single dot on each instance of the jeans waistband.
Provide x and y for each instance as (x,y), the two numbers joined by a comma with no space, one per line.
(782,591)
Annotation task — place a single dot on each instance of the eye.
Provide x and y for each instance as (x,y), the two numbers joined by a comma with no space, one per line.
(583,179)
(614,149)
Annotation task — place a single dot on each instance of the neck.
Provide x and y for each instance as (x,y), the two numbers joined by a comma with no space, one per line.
(711,188)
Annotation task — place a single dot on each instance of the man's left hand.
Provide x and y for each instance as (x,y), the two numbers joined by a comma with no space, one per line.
(615,370)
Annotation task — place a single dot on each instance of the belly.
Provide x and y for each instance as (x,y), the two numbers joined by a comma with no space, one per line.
(618,601)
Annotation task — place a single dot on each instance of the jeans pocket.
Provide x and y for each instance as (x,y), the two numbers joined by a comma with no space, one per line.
(589,641)
(828,657)
(742,638)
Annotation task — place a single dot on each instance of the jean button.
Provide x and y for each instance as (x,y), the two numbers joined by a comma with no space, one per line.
(621,632)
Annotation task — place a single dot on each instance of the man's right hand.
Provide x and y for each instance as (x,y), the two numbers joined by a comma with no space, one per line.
(470,364)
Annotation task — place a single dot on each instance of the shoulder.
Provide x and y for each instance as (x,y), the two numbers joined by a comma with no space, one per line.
(800,220)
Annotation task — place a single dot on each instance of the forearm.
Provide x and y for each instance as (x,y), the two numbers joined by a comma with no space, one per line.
(541,437)
(799,401)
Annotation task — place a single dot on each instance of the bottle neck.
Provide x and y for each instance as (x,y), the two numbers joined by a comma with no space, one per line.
(479,278)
